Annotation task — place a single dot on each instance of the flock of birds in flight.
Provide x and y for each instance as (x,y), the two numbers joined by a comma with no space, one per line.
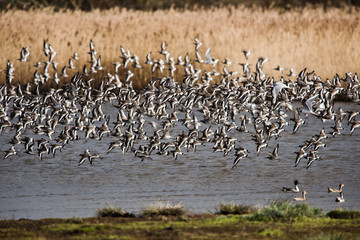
(212,104)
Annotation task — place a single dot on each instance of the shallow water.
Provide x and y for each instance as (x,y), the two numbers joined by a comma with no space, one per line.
(57,187)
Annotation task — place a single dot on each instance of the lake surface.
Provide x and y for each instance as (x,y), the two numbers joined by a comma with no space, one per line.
(57,187)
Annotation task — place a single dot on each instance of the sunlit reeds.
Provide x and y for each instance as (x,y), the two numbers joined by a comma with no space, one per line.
(327,42)
(285,211)
(161,208)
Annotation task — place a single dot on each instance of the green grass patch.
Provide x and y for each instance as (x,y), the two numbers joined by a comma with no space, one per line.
(75,220)
(270,233)
(219,220)
(164,209)
(205,226)
(68,228)
(344,214)
(233,208)
(166,223)
(110,211)
(337,236)
(284,211)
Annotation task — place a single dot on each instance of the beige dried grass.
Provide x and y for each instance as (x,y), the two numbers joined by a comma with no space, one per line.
(327,42)
(161,208)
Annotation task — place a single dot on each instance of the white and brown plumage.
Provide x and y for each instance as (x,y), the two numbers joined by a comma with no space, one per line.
(98,64)
(46,48)
(300,155)
(279,68)
(114,144)
(260,145)
(63,72)
(308,105)
(143,156)
(93,156)
(85,156)
(227,62)
(198,58)
(117,65)
(337,128)
(163,48)
(352,114)
(238,158)
(164,51)
(197,44)
(333,190)
(10,152)
(340,198)
(298,121)
(209,59)
(176,152)
(246,53)
(43,148)
(292,73)
(75,56)
(278,86)
(274,155)
(311,158)
(55,147)
(318,145)
(71,64)
(303,198)
(148,59)
(246,69)
(354,124)
(24,54)
(321,136)
(294,189)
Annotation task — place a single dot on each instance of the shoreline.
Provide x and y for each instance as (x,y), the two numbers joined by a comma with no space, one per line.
(204,226)
(112,211)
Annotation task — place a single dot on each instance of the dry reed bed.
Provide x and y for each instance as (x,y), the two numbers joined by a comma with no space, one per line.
(327,42)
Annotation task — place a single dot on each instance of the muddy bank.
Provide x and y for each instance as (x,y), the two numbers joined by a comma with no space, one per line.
(204,226)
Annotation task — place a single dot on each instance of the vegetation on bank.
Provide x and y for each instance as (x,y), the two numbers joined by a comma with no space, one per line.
(277,211)
(299,219)
(233,208)
(284,211)
(344,214)
(163,209)
(111,211)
